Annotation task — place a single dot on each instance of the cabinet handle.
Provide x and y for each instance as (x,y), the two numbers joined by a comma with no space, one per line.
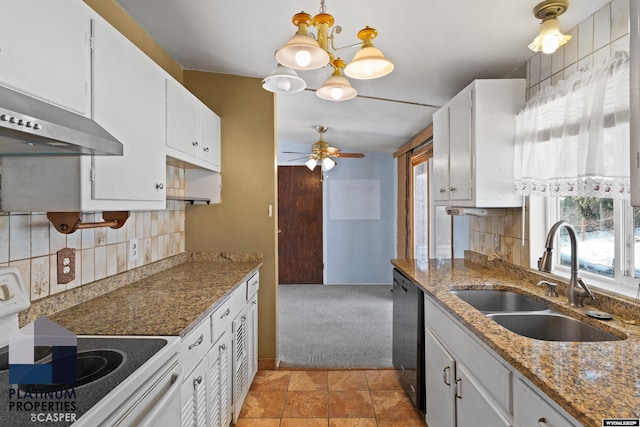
(195,143)
(542,422)
(405,290)
(159,186)
(198,342)
(226,313)
(445,375)
(197,381)
(452,189)
(442,190)
(458,383)
(205,149)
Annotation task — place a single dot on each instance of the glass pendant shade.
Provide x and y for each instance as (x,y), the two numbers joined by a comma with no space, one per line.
(550,38)
(302,52)
(327,164)
(368,63)
(283,80)
(311,164)
(336,88)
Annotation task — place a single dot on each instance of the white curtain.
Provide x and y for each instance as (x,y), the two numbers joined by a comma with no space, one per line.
(572,139)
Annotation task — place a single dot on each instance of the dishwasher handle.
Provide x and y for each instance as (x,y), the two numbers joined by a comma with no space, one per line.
(152,417)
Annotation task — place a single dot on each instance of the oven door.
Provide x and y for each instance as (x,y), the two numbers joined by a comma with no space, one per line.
(157,402)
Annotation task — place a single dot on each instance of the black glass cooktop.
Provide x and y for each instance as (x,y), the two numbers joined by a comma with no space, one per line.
(102,364)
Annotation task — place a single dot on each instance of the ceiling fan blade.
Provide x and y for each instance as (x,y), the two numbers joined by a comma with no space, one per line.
(292,152)
(352,155)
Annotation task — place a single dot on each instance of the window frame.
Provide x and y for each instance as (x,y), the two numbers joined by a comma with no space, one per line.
(543,213)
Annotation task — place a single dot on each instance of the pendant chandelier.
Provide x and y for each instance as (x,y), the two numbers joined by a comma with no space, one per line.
(303,51)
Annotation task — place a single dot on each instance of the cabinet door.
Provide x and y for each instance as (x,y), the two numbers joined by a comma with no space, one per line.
(440,376)
(44,51)
(182,119)
(460,160)
(128,94)
(209,137)
(219,382)
(441,154)
(472,406)
(240,363)
(194,398)
(252,312)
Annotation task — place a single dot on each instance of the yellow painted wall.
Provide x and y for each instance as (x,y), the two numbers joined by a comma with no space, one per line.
(241,222)
(116,16)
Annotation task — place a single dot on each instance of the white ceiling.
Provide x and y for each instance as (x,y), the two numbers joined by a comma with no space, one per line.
(438,47)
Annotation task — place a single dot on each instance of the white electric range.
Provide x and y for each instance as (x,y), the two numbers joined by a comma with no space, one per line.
(119,381)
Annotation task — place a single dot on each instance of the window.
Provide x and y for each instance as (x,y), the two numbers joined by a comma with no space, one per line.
(608,233)
(421,210)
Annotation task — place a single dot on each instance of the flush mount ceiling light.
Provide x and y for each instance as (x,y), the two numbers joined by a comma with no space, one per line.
(550,38)
(305,51)
(283,80)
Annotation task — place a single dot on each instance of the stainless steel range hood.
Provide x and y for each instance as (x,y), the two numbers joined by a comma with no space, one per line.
(29,126)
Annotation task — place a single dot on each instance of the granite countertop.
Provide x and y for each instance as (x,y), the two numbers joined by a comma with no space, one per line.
(169,303)
(591,381)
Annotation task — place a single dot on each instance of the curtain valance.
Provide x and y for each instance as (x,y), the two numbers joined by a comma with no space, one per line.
(572,138)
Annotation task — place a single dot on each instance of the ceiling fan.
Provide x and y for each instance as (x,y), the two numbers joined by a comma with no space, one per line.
(323,153)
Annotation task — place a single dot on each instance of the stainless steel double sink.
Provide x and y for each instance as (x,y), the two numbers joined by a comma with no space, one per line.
(531,318)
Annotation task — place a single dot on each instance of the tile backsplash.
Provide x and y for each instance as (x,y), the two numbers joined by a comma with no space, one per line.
(30,243)
(592,41)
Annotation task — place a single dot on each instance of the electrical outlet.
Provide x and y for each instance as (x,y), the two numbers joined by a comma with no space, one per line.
(133,250)
(66,265)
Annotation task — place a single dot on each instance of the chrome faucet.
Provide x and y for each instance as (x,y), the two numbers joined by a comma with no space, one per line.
(577,289)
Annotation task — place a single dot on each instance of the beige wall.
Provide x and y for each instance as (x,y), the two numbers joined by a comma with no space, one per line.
(241,222)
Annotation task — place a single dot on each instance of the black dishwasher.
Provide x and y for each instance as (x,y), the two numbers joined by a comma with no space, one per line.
(408,337)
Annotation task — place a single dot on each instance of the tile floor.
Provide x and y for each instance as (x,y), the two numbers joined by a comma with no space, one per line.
(340,398)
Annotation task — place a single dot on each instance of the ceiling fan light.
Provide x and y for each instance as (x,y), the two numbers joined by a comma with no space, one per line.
(336,88)
(302,52)
(368,63)
(327,164)
(311,164)
(283,80)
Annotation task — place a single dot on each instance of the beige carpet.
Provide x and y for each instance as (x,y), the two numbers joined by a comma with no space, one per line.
(335,326)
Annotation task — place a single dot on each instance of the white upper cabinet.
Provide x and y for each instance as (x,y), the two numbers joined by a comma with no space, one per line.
(473,145)
(193,130)
(44,51)
(128,101)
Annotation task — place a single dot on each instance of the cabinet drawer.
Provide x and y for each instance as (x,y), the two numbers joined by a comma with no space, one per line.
(493,375)
(532,410)
(195,345)
(223,316)
(252,285)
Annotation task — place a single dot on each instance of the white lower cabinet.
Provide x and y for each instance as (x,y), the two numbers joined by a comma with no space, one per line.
(219,382)
(468,384)
(220,374)
(532,409)
(454,396)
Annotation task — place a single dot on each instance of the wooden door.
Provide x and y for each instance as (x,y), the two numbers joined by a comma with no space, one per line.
(300,225)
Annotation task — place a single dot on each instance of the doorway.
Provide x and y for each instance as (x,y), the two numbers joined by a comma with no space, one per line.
(300,256)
